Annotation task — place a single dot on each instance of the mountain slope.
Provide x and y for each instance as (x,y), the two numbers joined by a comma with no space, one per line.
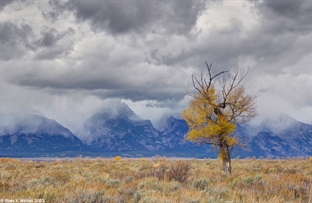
(119,129)
(32,134)
(283,137)
(172,138)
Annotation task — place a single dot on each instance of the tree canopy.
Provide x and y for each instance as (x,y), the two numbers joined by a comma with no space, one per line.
(219,103)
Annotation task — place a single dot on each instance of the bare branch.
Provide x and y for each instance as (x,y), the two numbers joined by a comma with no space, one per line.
(194,85)
(218,74)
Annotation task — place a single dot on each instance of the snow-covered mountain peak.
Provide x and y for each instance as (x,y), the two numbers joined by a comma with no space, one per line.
(113,110)
(31,124)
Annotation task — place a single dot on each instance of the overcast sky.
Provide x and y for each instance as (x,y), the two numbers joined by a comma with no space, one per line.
(65,58)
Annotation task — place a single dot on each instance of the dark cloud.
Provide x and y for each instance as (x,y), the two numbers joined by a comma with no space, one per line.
(52,53)
(150,93)
(67,82)
(14,39)
(49,45)
(18,39)
(103,85)
(119,17)
(288,9)
(50,36)
(58,8)
(285,16)
(275,38)
(104,89)
(3,3)
(276,41)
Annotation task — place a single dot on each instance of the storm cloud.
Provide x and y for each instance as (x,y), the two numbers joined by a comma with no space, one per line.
(3,3)
(14,39)
(55,54)
(119,17)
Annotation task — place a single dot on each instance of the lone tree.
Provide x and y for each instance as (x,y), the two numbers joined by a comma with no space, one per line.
(219,104)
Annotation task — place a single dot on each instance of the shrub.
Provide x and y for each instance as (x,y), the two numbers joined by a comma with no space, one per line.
(112,183)
(150,184)
(179,171)
(61,177)
(172,186)
(219,193)
(201,183)
(148,199)
(196,200)
(128,179)
(58,161)
(86,196)
(32,182)
(252,180)
(311,158)
(6,160)
(160,173)
(139,194)
(117,158)
(10,167)
(40,166)
(118,200)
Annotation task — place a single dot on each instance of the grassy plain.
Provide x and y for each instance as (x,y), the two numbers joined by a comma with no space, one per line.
(156,180)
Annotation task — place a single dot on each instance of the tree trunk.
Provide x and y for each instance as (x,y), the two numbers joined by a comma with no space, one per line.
(225,157)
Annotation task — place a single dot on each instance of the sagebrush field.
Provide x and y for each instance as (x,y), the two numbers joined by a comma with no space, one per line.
(156,180)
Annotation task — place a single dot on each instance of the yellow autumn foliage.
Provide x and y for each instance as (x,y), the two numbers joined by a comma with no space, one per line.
(117,158)
(215,110)
(204,124)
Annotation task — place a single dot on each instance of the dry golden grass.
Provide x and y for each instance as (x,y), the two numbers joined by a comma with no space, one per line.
(156,180)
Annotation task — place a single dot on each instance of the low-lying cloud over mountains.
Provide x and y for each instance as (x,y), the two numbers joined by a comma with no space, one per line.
(117,130)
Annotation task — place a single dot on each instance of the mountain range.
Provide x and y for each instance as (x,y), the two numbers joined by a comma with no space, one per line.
(28,134)
(119,131)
